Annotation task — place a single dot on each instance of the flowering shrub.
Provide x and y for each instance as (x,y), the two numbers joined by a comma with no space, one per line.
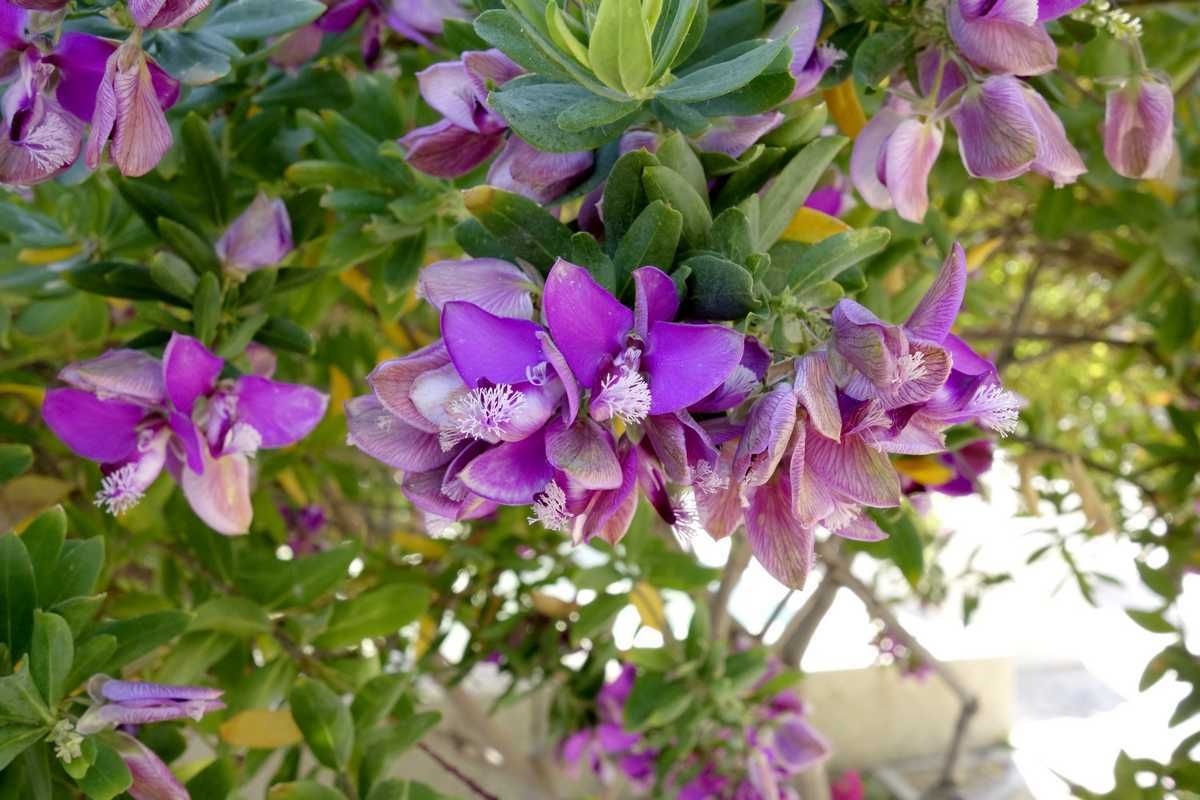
(552,293)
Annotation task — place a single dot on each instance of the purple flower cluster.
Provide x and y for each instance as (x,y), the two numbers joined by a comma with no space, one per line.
(136,414)
(607,748)
(84,79)
(573,415)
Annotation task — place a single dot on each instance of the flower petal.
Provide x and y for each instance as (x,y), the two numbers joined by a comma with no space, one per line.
(374,430)
(733,136)
(446,150)
(260,237)
(584,451)
(565,376)
(588,325)
(128,375)
(99,430)
(1053,9)
(431,394)
(1057,158)
(512,473)
(448,88)
(141,135)
(811,497)
(485,347)
(188,438)
(805,17)
(997,136)
(152,779)
(120,691)
(869,344)
(865,157)
(854,469)
(165,13)
(798,745)
(190,371)
(781,544)
(817,392)
(1139,129)
(911,152)
(1007,40)
(393,382)
(487,68)
(221,496)
(656,298)
(542,177)
(763,444)
(684,363)
(933,317)
(282,413)
(494,285)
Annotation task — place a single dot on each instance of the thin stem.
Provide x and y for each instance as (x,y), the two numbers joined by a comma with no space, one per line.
(803,625)
(457,773)
(739,559)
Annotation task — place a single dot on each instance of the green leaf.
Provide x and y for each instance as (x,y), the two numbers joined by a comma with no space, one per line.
(29,228)
(830,257)
(303,790)
(258,19)
(596,617)
(385,745)
(51,655)
(650,241)
(395,789)
(792,187)
(719,289)
(374,701)
(173,275)
(205,166)
(192,655)
(14,460)
(108,775)
(522,226)
(138,636)
(43,541)
(325,722)
(667,185)
(731,23)
(16,739)
(218,779)
(79,565)
(675,152)
(531,107)
(732,235)
(283,334)
(624,195)
(234,343)
(20,701)
(189,246)
(594,110)
(234,615)
(882,53)
(194,58)
(678,17)
(91,656)
(36,761)
(79,611)
(619,49)
(656,700)
(18,595)
(152,203)
(206,308)
(1152,621)
(282,584)
(904,542)
(521,41)
(379,612)
(726,75)
(587,253)
(562,35)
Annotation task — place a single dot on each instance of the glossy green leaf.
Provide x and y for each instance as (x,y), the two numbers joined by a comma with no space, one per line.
(51,655)
(325,722)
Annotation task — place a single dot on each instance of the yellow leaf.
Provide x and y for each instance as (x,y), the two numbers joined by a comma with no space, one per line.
(291,486)
(811,226)
(551,606)
(426,633)
(358,283)
(1162,190)
(418,543)
(924,469)
(979,253)
(48,255)
(845,108)
(340,390)
(649,603)
(23,498)
(261,728)
(34,394)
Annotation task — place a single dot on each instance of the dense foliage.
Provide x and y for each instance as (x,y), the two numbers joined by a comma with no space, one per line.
(350,350)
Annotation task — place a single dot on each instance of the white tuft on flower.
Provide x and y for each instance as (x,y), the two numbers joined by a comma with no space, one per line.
(538,374)
(996,408)
(707,480)
(119,490)
(481,414)
(550,508)
(624,393)
(843,514)
(687,517)
(911,367)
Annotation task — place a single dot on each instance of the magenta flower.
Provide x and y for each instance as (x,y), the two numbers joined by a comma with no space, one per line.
(607,748)
(1006,37)
(848,786)
(733,136)
(892,158)
(967,465)
(117,702)
(165,13)
(538,175)
(130,112)
(152,779)
(40,138)
(260,237)
(495,286)
(470,132)
(1139,128)
(135,415)
(40,5)
(810,61)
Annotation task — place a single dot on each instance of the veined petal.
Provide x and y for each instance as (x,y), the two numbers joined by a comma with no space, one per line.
(720,509)
(1057,158)
(780,543)
(911,152)
(684,363)
(448,88)
(260,237)
(120,691)
(152,779)
(221,496)
(933,317)
(281,413)
(99,430)
(485,347)
(588,325)
(854,469)
(865,157)
(141,135)
(733,136)
(128,375)
(764,442)
(679,442)
(811,498)
(870,345)
(585,452)
(486,68)
(536,174)
(1139,129)
(165,13)
(104,117)
(446,150)
(190,371)
(374,430)
(656,299)
(928,64)
(42,139)
(393,383)
(494,285)
(804,16)
(997,136)
(431,394)
(563,370)
(1008,41)
(817,392)
(512,473)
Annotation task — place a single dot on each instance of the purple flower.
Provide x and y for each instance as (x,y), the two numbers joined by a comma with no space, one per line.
(306,524)
(493,285)
(165,13)
(963,467)
(1139,128)
(848,786)
(470,132)
(152,779)
(607,748)
(892,158)
(1002,36)
(40,5)
(260,237)
(733,136)
(540,176)
(810,61)
(135,414)
(40,139)
(119,702)
(417,20)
